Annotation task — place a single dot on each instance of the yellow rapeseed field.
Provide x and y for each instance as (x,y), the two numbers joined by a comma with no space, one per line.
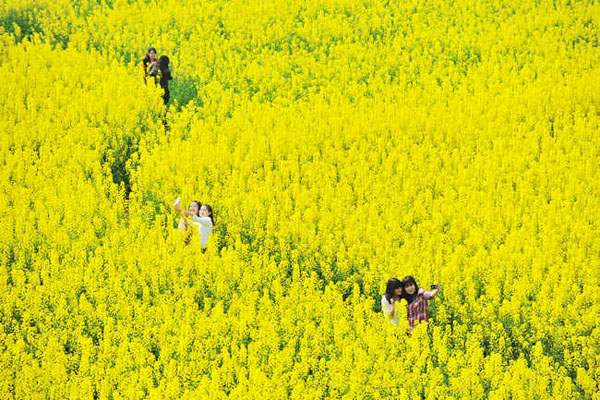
(340,143)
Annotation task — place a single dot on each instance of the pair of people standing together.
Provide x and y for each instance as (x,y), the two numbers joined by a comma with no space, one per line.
(197,215)
(417,308)
(158,68)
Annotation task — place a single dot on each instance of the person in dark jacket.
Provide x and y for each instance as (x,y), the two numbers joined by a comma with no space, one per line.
(162,76)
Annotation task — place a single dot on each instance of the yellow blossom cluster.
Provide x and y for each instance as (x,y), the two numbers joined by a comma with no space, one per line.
(340,143)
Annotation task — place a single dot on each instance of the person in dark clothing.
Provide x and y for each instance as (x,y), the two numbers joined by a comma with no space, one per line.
(162,76)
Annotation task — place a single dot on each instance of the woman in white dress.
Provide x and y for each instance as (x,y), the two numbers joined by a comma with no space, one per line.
(393,294)
(205,223)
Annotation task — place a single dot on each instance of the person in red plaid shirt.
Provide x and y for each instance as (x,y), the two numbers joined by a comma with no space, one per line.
(417,307)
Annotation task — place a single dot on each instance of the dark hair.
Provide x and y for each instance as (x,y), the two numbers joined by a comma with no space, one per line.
(199,205)
(163,66)
(147,57)
(210,210)
(164,61)
(391,287)
(407,281)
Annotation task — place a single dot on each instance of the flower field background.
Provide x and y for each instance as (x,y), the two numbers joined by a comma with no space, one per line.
(340,143)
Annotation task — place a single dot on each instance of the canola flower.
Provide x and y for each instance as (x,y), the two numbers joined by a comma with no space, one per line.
(340,143)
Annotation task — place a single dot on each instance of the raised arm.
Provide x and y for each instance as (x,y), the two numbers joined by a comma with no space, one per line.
(177,208)
(429,294)
(205,221)
(177,205)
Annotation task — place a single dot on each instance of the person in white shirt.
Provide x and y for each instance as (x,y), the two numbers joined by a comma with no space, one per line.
(205,223)
(393,294)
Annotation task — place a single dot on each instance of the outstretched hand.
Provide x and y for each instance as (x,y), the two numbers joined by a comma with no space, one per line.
(177,204)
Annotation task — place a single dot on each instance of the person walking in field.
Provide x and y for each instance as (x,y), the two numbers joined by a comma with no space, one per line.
(199,215)
(149,62)
(162,75)
(417,300)
(393,294)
